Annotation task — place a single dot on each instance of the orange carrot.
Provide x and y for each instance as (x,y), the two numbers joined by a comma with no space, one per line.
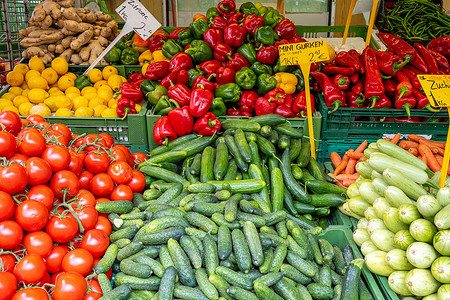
(396,138)
(408,144)
(431,159)
(413,151)
(387,139)
(414,138)
(335,159)
(431,143)
(424,159)
(350,169)
(437,150)
(348,182)
(361,147)
(439,159)
(347,176)
(342,166)
(355,155)
(337,181)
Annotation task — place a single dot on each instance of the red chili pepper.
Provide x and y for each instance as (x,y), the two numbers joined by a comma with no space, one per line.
(358,88)
(210,66)
(234,35)
(406,103)
(281,42)
(374,87)
(251,22)
(181,119)
(157,70)
(333,69)
(236,18)
(354,100)
(390,63)
(316,87)
(428,58)
(247,101)
(135,76)
(344,59)
(441,60)
(389,86)
(441,45)
(300,105)
(219,23)
(420,64)
(180,61)
(399,46)
(213,37)
(297,39)
(332,94)
(423,102)
(223,52)
(175,77)
(264,106)
(354,78)
(384,102)
(237,62)
(413,119)
(201,101)
(314,66)
(130,92)
(285,111)
(341,81)
(174,34)
(277,95)
(267,55)
(359,59)
(205,82)
(163,131)
(207,125)
(180,93)
(403,89)
(285,29)
(124,107)
(137,83)
(157,42)
(233,112)
(411,73)
(225,75)
(226,8)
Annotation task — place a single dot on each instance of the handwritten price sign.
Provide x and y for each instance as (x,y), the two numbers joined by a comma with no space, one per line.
(294,54)
(437,89)
(138,17)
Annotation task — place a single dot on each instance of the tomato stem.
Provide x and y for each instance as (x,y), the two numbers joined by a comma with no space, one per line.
(71,210)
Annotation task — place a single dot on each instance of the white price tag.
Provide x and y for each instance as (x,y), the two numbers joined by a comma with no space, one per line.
(138,17)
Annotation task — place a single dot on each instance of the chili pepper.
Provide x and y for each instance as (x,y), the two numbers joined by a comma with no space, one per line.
(413,119)
(234,112)
(229,92)
(399,46)
(316,87)
(406,103)
(164,105)
(428,58)
(281,42)
(211,13)
(420,64)
(411,73)
(248,8)
(389,63)
(300,105)
(205,82)
(265,35)
(278,67)
(234,35)
(210,66)
(247,101)
(181,120)
(354,100)
(246,78)
(285,111)
(297,39)
(332,94)
(218,108)
(207,125)
(226,8)
(198,28)
(404,89)
(199,51)
(264,106)
(359,59)
(374,87)
(252,22)
(124,107)
(259,68)
(423,102)
(194,73)
(384,102)
(185,37)
(130,92)
(344,59)
(286,81)
(113,55)
(285,29)
(237,62)
(180,93)
(174,34)
(389,86)
(201,101)
(157,42)
(157,70)
(265,83)
(213,36)
(441,60)
(277,95)
(180,61)
(333,69)
(163,132)
(223,52)
(248,52)
(181,76)
(225,75)
(341,81)
(236,18)
(272,17)
(441,45)
(82,81)
(354,78)
(267,55)
(152,90)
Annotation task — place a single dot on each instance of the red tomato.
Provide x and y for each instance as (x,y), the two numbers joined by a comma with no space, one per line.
(35,119)
(137,183)
(11,234)
(11,122)
(31,215)
(106,139)
(19,158)
(125,150)
(104,225)
(96,290)
(64,180)
(57,156)
(36,293)
(95,241)
(42,193)
(56,275)
(63,129)
(88,216)
(44,280)
(8,261)
(120,172)
(7,144)
(122,192)
(119,155)
(78,260)
(30,269)
(55,137)
(80,154)
(70,285)
(6,206)
(13,178)
(39,242)
(54,259)
(31,143)
(8,285)
(84,197)
(96,162)
(62,228)
(84,179)
(39,171)
(76,164)
(138,157)
(101,185)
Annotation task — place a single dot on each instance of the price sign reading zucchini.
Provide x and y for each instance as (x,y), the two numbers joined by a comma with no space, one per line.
(436,88)
(294,54)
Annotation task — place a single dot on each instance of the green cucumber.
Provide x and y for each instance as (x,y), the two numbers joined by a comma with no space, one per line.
(322,187)
(242,145)
(287,289)
(165,258)
(167,284)
(277,189)
(338,260)
(338,293)
(284,142)
(304,293)
(124,233)
(279,256)
(201,222)
(154,265)
(221,161)
(297,172)
(195,146)
(275,217)
(300,264)
(289,203)
(224,244)
(265,131)
(201,188)
(245,125)
(326,248)
(274,136)
(206,170)
(210,254)
(305,153)
(276,240)
(221,285)
(268,256)
(115,220)
(269,119)
(188,293)
(250,136)
(239,293)
(327,200)
(247,186)
(265,293)
(219,219)
(162,236)
(257,220)
(118,207)
(164,174)
(191,250)
(256,173)
(315,170)
(265,146)
(254,243)
(231,171)
(241,250)
(351,280)
(169,194)
(318,257)
(304,208)
(128,250)
(295,247)
(104,282)
(208,209)
(294,148)
(181,263)
(151,283)
(294,274)
(134,269)
(170,156)
(256,159)
(325,276)
(292,185)
(248,207)
(231,207)
(108,259)
(133,216)
(222,195)
(289,131)
(320,291)
(166,222)
(234,278)
(205,286)
(173,211)
(232,147)
(122,292)
(270,279)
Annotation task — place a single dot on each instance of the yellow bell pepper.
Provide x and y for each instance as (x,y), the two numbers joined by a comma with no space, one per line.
(159,56)
(144,68)
(145,56)
(287,81)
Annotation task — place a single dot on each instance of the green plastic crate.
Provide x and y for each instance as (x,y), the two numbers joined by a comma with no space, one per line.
(338,218)
(338,145)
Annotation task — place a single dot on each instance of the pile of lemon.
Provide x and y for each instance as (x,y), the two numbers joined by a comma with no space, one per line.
(37,90)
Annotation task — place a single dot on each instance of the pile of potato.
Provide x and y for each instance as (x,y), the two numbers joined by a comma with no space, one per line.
(76,34)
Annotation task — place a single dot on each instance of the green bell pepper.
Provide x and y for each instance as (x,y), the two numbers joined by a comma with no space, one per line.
(265,83)
(82,81)
(282,68)
(272,17)
(301,80)
(246,78)
(185,37)
(229,92)
(211,13)
(260,68)
(113,55)
(121,44)
(152,90)
(164,105)
(129,56)
(194,73)
(199,51)
(198,28)
(170,48)
(265,35)
(262,10)
(248,8)
(248,52)
(218,108)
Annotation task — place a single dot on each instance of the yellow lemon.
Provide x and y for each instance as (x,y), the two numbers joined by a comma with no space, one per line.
(72,96)
(100,83)
(37,95)
(24,86)
(36,64)
(38,82)
(80,101)
(24,108)
(25,92)
(60,65)
(41,111)
(54,90)
(112,103)
(109,113)
(51,103)
(65,82)
(96,101)
(63,112)
(105,92)
(50,75)
(114,82)
(95,75)
(11,108)
(16,90)
(22,68)
(63,101)
(84,112)
(72,75)
(99,109)
(90,96)
(138,107)
(30,74)
(5,102)
(14,78)
(108,71)
(8,96)
(19,100)
(88,89)
(72,90)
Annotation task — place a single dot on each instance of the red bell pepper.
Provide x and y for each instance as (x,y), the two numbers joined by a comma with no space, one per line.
(359,59)
(207,125)
(200,102)
(234,35)
(129,91)
(236,18)
(399,46)
(210,66)
(157,70)
(181,119)
(180,61)
(390,63)
(300,105)
(422,101)
(332,94)
(205,82)
(219,23)
(389,86)
(344,59)
(285,29)
(226,8)
(296,39)
(341,81)
(441,45)
(267,55)
(225,75)
(125,106)
(441,60)
(404,89)
(174,34)
(213,37)
(157,42)
(285,111)
(354,78)
(406,102)
(237,62)
(139,42)
(175,77)
(420,64)
(247,101)
(428,58)
(223,52)
(374,87)
(289,100)
(358,88)
(135,76)
(163,131)
(237,112)
(411,73)
(281,42)
(333,69)
(264,106)
(384,102)
(251,22)
(277,95)
(354,100)
(180,93)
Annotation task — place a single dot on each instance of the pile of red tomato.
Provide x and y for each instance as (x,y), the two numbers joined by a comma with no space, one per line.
(50,232)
